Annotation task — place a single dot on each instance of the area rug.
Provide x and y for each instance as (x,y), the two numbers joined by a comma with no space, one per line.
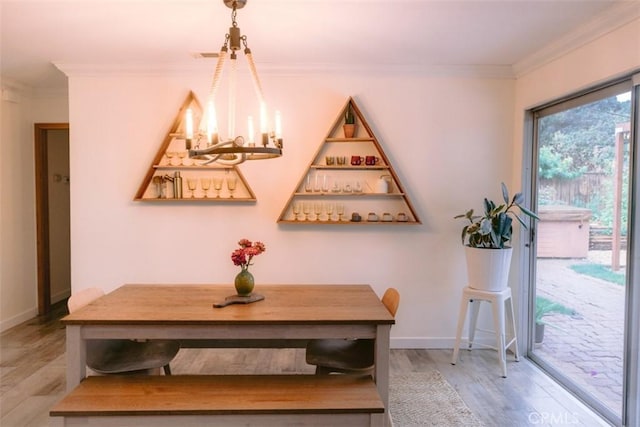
(427,399)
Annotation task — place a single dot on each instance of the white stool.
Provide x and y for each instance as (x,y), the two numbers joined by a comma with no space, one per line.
(498,301)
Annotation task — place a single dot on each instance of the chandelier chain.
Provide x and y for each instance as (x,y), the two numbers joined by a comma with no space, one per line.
(234,13)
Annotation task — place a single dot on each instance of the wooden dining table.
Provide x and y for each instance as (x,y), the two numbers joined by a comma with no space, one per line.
(288,313)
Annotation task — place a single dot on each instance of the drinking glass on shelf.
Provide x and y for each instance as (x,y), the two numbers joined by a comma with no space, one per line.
(318,185)
(307,184)
(182,155)
(205,183)
(158,181)
(317,209)
(217,185)
(231,185)
(325,184)
(329,209)
(296,210)
(306,210)
(192,184)
(169,155)
(340,211)
(173,158)
(168,185)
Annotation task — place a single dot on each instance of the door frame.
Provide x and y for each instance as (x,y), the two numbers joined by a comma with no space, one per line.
(41,140)
(630,414)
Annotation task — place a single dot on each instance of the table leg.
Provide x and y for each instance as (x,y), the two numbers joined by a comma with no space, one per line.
(381,373)
(76,357)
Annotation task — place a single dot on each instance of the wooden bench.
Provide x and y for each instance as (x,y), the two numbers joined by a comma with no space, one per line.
(197,400)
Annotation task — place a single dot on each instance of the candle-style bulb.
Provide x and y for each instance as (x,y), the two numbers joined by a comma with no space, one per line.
(250,131)
(189,129)
(263,118)
(212,124)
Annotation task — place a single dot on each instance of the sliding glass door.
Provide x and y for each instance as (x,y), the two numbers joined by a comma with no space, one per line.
(580,284)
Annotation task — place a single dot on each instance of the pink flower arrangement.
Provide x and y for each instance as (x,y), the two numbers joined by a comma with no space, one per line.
(243,255)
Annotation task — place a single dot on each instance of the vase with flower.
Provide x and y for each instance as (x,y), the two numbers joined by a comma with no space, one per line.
(242,257)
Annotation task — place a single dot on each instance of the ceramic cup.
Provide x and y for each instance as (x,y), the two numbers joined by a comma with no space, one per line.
(387,217)
(402,217)
(371,160)
(355,217)
(356,160)
(372,217)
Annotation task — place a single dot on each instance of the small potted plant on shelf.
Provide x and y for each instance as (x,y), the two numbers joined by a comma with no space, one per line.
(486,239)
(349,126)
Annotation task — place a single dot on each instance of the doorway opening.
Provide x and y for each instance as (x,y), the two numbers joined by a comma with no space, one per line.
(579,281)
(51,141)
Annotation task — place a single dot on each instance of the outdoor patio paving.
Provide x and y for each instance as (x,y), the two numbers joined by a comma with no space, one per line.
(587,346)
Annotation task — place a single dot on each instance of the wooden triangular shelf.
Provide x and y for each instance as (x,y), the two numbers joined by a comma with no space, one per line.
(164,166)
(333,183)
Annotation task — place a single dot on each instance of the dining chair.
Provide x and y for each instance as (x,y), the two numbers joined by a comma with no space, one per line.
(123,356)
(349,356)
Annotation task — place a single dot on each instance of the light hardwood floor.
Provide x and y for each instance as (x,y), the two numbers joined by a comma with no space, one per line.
(32,376)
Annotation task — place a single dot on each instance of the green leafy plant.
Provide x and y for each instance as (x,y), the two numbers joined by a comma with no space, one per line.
(349,117)
(545,307)
(493,229)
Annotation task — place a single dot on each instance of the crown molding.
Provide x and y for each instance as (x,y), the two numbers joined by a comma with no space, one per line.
(34,92)
(206,66)
(428,70)
(615,17)
(93,69)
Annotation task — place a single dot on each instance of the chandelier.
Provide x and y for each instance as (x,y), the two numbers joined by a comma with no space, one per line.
(233,149)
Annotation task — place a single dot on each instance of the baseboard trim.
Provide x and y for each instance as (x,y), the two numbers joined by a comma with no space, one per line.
(17,319)
(434,343)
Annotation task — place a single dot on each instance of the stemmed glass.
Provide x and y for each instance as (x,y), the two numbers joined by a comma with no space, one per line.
(217,185)
(329,209)
(192,184)
(205,183)
(306,210)
(317,209)
(170,155)
(181,156)
(231,185)
(296,210)
(340,211)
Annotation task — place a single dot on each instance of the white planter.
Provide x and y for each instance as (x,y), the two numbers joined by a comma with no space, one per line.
(488,269)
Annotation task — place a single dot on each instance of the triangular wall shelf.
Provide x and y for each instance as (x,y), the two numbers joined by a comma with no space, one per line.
(155,188)
(334,188)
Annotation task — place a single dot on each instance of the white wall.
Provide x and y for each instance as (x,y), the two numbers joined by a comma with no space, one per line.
(21,108)
(448,138)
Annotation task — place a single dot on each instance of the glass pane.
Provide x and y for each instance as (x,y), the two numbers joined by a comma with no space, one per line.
(582,199)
